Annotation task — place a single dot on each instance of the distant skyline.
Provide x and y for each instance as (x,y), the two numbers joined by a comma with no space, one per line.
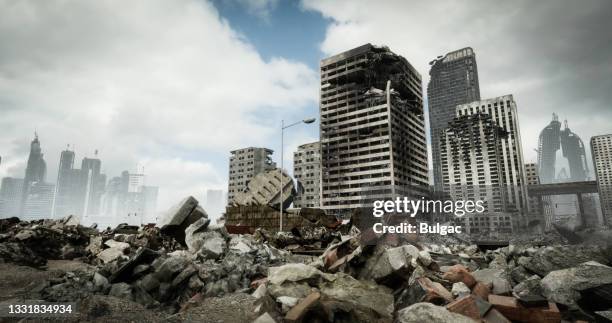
(173,86)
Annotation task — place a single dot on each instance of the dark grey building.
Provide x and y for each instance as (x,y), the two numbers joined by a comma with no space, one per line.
(453,81)
(36,171)
(373,143)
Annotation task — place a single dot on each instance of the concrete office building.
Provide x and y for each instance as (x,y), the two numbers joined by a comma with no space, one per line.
(39,201)
(307,173)
(511,169)
(372,129)
(601,149)
(244,164)
(453,81)
(10,197)
(532,177)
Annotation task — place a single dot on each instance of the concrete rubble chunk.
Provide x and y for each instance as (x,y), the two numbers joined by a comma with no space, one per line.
(110,255)
(121,290)
(117,245)
(424,290)
(497,278)
(460,289)
(213,246)
(296,272)
(364,296)
(195,233)
(564,286)
(552,258)
(264,318)
(177,214)
(395,262)
(427,312)
(529,286)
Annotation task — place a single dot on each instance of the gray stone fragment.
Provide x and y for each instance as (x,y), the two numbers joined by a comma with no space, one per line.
(564,286)
(121,290)
(109,255)
(530,286)
(117,245)
(427,312)
(264,318)
(177,214)
(460,289)
(496,277)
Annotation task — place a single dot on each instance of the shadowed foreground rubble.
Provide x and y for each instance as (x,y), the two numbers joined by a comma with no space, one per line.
(188,269)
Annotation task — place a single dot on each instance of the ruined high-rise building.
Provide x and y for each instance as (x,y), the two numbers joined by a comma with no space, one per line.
(244,164)
(373,143)
(307,173)
(511,169)
(601,149)
(453,81)
(472,160)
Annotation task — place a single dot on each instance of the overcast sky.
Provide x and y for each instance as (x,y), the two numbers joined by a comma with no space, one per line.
(173,86)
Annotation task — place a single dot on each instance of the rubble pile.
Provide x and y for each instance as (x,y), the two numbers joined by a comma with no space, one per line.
(319,272)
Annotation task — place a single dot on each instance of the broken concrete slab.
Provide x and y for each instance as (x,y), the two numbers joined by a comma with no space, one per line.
(460,289)
(427,312)
(564,286)
(498,278)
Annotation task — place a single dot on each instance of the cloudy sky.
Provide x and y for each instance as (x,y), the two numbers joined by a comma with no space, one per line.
(172,86)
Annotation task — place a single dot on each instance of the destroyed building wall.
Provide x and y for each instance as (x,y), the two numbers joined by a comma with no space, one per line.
(534,202)
(512,168)
(372,128)
(265,189)
(453,81)
(307,173)
(244,164)
(601,149)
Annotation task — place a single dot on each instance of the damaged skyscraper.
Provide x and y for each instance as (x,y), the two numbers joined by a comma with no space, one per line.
(483,148)
(601,148)
(454,81)
(372,129)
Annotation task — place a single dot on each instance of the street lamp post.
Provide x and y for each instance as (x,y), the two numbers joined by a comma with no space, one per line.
(283,127)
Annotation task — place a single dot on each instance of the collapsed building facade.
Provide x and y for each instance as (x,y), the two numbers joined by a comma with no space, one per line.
(244,164)
(372,131)
(472,169)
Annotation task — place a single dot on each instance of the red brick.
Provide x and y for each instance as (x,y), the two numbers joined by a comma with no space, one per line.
(297,313)
(482,290)
(458,273)
(466,306)
(513,310)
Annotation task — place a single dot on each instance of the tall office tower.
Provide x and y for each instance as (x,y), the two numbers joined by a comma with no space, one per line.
(112,199)
(373,143)
(244,164)
(36,171)
(535,202)
(307,173)
(601,149)
(94,183)
(215,203)
(10,197)
(472,160)
(67,186)
(39,201)
(548,145)
(574,152)
(512,169)
(453,81)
